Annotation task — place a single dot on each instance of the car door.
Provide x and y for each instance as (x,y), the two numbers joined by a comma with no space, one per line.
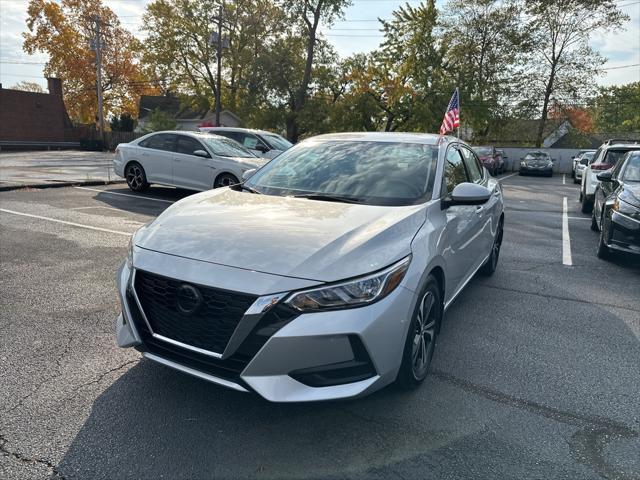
(156,157)
(489,213)
(461,241)
(189,170)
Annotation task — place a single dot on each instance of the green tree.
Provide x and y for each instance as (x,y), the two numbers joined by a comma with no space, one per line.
(563,66)
(122,123)
(617,109)
(485,45)
(159,120)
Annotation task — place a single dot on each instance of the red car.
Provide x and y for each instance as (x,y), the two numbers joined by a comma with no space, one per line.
(491,159)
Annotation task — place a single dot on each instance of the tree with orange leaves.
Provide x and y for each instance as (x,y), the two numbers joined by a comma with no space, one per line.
(65,32)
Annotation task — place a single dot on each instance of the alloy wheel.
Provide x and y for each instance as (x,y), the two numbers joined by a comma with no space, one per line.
(424,335)
(135,178)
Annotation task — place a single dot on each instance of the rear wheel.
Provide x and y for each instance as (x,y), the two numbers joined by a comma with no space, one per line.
(587,205)
(594,222)
(225,180)
(491,264)
(421,339)
(136,177)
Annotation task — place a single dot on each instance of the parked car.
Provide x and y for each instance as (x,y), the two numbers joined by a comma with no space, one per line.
(605,158)
(196,161)
(491,159)
(536,163)
(616,209)
(583,161)
(576,160)
(260,142)
(324,275)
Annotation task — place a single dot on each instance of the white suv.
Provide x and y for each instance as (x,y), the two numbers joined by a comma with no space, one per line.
(605,158)
(260,142)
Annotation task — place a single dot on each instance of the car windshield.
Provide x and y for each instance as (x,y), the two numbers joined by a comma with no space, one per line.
(277,142)
(224,147)
(536,156)
(612,156)
(482,151)
(632,169)
(375,173)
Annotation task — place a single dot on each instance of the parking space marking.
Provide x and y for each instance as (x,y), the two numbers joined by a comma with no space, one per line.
(564,178)
(508,176)
(73,224)
(566,240)
(125,194)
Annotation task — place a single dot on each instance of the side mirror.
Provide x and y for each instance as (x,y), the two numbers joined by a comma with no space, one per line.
(605,176)
(467,194)
(248,174)
(201,153)
(261,148)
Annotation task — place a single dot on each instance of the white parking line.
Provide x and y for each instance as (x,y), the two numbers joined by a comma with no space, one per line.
(566,240)
(125,194)
(564,178)
(73,224)
(508,176)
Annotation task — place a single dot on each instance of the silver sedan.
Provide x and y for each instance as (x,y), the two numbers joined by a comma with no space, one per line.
(325,275)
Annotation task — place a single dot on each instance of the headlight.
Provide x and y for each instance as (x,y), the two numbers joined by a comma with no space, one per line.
(523,164)
(625,208)
(129,259)
(357,292)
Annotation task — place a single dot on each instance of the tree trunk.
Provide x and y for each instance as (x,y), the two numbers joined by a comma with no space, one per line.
(545,106)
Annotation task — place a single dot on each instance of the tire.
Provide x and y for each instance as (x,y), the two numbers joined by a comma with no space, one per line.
(587,205)
(491,263)
(418,350)
(603,252)
(224,180)
(594,222)
(136,177)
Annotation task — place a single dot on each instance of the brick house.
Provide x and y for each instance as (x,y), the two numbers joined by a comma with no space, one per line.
(30,117)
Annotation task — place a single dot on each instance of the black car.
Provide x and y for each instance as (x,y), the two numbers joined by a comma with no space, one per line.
(536,163)
(616,209)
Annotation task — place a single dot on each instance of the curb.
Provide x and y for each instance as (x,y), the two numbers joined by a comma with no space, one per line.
(42,186)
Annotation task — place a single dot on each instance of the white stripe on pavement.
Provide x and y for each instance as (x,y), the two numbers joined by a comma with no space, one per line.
(564,178)
(504,178)
(566,240)
(73,224)
(125,194)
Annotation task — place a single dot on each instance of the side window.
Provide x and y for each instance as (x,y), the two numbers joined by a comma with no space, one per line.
(250,141)
(188,145)
(454,170)
(232,135)
(473,165)
(161,141)
(596,156)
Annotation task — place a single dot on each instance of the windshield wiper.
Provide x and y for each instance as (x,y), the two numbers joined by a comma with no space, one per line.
(329,198)
(242,186)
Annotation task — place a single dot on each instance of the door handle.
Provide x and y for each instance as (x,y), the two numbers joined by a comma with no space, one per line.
(479,209)
(177,160)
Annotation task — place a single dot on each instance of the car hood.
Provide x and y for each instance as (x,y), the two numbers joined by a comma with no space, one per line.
(251,162)
(631,194)
(295,237)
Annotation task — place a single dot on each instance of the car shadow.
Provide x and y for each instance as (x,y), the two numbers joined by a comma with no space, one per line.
(151,202)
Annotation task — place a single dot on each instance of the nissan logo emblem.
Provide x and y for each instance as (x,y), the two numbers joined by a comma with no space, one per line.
(188,299)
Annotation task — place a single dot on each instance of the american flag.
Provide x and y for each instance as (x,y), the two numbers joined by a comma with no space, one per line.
(452,115)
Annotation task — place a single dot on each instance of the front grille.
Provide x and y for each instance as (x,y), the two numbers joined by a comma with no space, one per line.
(167,309)
(229,368)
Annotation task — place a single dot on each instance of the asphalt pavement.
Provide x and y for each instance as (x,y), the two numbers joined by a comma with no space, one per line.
(536,373)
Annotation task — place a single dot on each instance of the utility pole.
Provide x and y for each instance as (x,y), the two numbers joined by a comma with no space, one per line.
(97,45)
(220,43)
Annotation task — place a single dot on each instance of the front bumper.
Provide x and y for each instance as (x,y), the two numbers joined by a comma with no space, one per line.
(306,357)
(536,170)
(624,234)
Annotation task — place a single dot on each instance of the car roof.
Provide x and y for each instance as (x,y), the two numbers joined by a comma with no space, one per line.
(238,129)
(190,133)
(401,137)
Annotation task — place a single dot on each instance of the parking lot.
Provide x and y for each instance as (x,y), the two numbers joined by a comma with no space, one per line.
(536,373)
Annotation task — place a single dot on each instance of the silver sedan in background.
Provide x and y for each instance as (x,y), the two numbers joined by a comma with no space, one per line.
(325,275)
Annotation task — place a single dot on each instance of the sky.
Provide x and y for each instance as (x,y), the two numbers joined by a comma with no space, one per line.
(358,32)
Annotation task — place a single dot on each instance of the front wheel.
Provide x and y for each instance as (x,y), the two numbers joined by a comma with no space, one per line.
(225,180)
(136,177)
(586,204)
(594,222)
(603,251)
(422,335)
